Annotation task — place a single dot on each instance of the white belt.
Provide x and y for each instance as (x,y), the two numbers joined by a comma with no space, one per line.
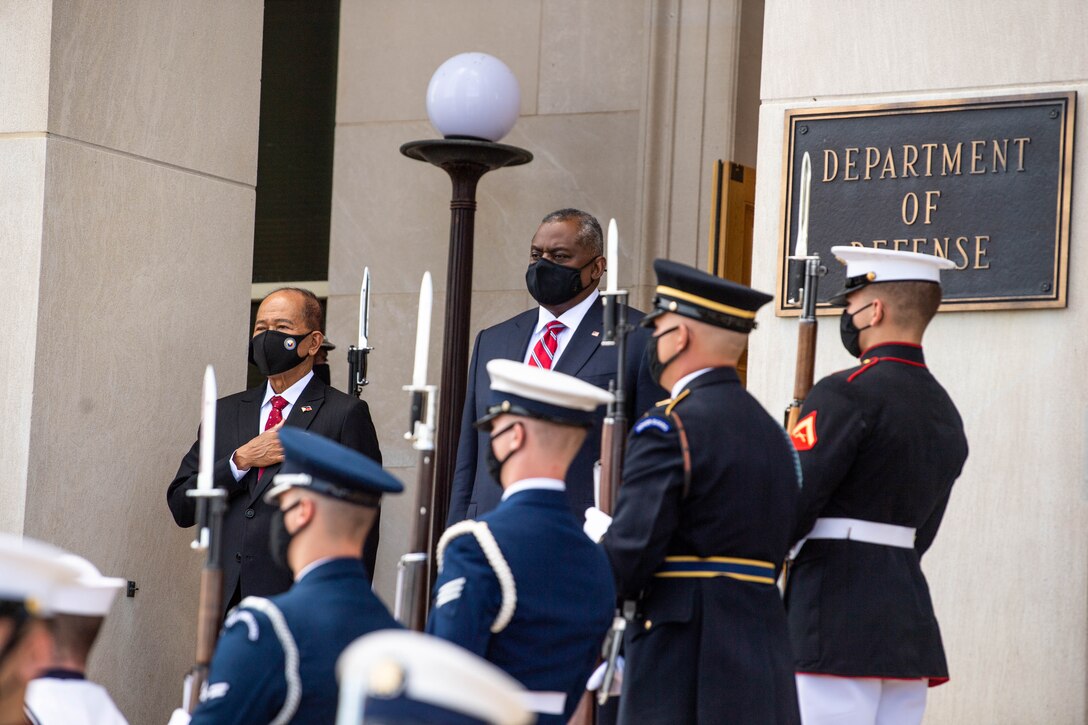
(869,532)
(545,703)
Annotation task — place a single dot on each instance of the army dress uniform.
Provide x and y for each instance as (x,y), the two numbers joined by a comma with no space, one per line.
(704,515)
(880,446)
(275,659)
(521,586)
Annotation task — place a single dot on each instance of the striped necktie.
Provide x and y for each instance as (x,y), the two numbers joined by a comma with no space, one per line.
(544,350)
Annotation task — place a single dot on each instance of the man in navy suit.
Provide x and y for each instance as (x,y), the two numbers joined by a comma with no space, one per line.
(286,338)
(276,658)
(566,265)
(522,586)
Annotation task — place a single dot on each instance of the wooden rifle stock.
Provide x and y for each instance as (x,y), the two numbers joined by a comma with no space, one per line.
(209,612)
(413,570)
(805,371)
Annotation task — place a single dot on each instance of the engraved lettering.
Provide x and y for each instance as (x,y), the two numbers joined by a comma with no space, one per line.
(872,158)
(951,163)
(980,252)
(830,171)
(976,156)
(910,156)
(850,164)
(1020,150)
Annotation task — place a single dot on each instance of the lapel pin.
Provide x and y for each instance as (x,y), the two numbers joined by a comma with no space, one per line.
(596,333)
(306,409)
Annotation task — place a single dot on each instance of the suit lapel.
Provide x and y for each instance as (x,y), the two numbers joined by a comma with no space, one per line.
(584,343)
(302,415)
(515,345)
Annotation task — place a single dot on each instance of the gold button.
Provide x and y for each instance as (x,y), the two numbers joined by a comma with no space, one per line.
(866,361)
(649,624)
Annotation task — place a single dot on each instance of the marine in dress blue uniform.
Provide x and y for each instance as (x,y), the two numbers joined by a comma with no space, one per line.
(704,516)
(275,658)
(521,586)
(880,446)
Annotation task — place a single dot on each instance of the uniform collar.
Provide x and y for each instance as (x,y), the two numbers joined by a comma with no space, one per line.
(534,484)
(909,351)
(684,381)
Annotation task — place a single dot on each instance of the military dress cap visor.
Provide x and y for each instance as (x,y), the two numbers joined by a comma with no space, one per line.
(327,345)
(399,676)
(31,574)
(520,389)
(91,595)
(693,293)
(323,466)
(865,266)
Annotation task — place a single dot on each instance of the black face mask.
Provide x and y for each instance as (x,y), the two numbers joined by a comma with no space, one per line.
(656,366)
(494,465)
(323,373)
(851,333)
(279,539)
(553,284)
(275,352)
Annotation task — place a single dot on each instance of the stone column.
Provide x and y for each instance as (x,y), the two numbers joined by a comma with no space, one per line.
(128,144)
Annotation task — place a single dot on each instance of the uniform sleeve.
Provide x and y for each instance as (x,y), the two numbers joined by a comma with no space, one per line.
(247,681)
(648,506)
(827,438)
(358,431)
(467,597)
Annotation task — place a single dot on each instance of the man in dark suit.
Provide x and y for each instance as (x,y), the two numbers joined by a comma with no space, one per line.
(704,516)
(566,264)
(248,454)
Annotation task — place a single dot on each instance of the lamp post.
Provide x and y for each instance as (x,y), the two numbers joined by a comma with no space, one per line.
(473,101)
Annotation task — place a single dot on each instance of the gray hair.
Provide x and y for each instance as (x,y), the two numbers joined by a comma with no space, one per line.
(589,229)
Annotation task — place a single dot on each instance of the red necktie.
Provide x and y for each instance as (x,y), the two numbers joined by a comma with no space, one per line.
(544,350)
(275,416)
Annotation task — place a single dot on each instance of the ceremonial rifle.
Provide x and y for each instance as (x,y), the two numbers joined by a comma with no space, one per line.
(805,273)
(613,439)
(357,354)
(211,504)
(413,570)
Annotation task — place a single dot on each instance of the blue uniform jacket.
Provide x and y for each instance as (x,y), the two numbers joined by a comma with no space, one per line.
(706,649)
(565,596)
(472,491)
(251,675)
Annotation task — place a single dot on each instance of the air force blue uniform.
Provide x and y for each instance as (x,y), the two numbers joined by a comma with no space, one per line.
(564,591)
(278,655)
(276,658)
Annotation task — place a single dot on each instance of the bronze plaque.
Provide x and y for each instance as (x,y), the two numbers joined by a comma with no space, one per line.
(985,182)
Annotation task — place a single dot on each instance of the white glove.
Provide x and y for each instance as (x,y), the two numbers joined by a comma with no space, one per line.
(179,717)
(597,678)
(597,523)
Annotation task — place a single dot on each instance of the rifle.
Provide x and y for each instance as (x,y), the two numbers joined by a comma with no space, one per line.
(413,569)
(211,504)
(613,441)
(806,271)
(357,355)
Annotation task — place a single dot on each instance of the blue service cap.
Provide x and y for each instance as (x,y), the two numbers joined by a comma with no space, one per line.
(520,389)
(324,466)
(705,297)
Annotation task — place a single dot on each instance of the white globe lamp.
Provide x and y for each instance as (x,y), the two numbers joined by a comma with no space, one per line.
(473,96)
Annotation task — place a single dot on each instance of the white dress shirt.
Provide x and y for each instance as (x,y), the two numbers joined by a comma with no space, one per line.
(684,381)
(290,395)
(571,318)
(530,484)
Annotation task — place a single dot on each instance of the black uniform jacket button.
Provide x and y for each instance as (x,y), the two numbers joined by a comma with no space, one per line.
(249,513)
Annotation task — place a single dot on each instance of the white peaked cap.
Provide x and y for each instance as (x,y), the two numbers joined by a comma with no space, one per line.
(887,265)
(545,386)
(33,572)
(422,668)
(91,595)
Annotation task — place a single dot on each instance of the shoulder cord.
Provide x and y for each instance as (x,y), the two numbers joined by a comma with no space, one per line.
(685,451)
(498,563)
(290,655)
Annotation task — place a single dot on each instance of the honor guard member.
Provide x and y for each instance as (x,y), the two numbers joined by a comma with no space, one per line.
(398,677)
(880,446)
(62,694)
(30,574)
(275,658)
(521,586)
(704,516)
